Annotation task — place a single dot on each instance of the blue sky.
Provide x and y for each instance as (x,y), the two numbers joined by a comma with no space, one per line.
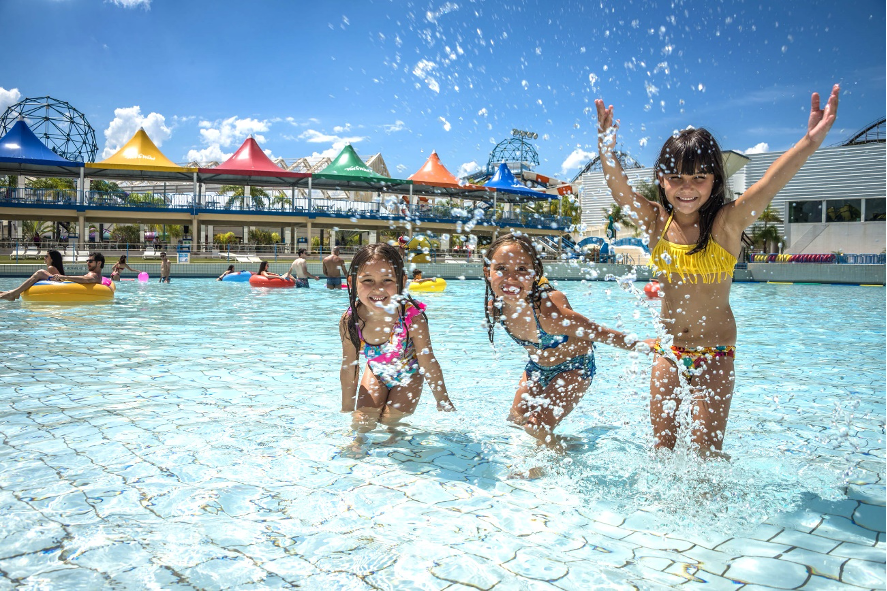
(404,78)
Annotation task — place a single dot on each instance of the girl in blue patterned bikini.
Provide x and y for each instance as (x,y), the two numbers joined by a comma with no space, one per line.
(695,236)
(391,330)
(559,340)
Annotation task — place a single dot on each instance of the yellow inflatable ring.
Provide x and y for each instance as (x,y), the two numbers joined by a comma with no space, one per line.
(435,285)
(65,291)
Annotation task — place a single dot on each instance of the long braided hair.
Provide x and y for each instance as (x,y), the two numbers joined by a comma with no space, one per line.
(693,151)
(388,253)
(536,290)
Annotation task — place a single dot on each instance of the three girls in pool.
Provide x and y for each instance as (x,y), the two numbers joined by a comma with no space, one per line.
(695,236)
(391,330)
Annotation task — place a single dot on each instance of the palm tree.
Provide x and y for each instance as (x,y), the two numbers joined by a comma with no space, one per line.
(256,195)
(767,237)
(280,200)
(618,215)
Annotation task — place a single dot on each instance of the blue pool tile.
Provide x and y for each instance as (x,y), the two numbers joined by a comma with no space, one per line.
(767,571)
(864,573)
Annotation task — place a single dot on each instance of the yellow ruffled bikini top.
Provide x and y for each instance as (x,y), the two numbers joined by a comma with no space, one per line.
(709,264)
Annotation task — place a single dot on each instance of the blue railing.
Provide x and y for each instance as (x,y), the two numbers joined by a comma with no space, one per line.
(389,208)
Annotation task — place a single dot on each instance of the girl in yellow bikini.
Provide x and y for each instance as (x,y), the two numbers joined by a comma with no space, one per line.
(695,234)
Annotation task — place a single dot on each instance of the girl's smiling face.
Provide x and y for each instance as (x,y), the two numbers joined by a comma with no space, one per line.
(687,193)
(376,283)
(511,273)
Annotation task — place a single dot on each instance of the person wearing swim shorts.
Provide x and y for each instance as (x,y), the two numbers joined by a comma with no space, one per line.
(333,268)
(300,267)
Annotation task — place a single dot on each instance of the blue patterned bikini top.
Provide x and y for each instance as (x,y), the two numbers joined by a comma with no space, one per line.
(546,341)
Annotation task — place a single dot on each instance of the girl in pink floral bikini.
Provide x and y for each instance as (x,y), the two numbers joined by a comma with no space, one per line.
(391,330)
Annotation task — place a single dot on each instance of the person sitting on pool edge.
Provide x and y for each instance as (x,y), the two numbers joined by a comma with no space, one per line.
(95,262)
(54,266)
(226,273)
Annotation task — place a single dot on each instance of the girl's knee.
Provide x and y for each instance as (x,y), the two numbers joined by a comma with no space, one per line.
(391,414)
(365,418)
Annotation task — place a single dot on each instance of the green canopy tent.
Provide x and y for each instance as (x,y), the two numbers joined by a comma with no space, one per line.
(348,172)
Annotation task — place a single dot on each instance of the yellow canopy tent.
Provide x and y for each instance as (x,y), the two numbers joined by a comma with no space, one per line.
(139,155)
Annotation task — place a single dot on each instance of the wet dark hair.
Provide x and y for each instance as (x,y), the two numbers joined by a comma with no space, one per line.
(55,259)
(416,272)
(689,152)
(122,259)
(370,252)
(302,251)
(263,266)
(230,267)
(536,290)
(99,258)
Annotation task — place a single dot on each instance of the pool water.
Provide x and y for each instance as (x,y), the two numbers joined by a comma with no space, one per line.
(189,436)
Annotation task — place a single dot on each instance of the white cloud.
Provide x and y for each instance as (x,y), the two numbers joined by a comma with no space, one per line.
(226,133)
(316,137)
(446,124)
(8,98)
(127,121)
(577,159)
(146,4)
(396,126)
(341,128)
(467,167)
(758,148)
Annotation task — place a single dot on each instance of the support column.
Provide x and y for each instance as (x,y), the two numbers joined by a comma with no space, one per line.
(309,209)
(246,234)
(196,236)
(332,239)
(195,200)
(372,236)
(81,188)
(294,238)
(308,245)
(81,231)
(210,238)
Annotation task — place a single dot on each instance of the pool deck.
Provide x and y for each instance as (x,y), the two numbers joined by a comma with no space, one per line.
(756,272)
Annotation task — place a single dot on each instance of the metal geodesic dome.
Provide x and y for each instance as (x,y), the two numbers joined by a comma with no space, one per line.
(60,126)
(516,152)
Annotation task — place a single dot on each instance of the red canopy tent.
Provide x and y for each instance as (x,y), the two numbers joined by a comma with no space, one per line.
(250,161)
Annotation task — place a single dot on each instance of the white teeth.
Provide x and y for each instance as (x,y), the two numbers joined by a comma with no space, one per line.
(511,290)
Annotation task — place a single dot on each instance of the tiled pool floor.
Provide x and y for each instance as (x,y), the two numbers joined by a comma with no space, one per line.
(151,455)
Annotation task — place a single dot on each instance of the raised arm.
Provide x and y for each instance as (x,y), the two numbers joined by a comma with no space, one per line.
(745,211)
(571,323)
(617,181)
(349,373)
(428,363)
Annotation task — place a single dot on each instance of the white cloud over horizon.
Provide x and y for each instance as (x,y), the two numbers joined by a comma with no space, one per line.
(758,148)
(576,159)
(8,98)
(398,125)
(127,121)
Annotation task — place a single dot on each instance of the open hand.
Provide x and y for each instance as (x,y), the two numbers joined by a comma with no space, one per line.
(606,126)
(821,120)
(646,346)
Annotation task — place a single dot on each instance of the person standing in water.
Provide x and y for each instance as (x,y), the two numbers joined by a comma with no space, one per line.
(164,268)
(300,266)
(695,236)
(333,269)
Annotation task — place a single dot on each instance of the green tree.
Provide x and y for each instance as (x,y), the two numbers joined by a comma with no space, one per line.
(127,233)
(52,183)
(30,227)
(280,200)
(260,236)
(767,237)
(567,206)
(226,238)
(621,216)
(648,191)
(256,195)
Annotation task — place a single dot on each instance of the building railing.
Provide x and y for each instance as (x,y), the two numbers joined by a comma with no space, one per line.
(829,259)
(389,208)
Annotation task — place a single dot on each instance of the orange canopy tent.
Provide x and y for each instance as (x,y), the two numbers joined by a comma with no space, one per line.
(434,174)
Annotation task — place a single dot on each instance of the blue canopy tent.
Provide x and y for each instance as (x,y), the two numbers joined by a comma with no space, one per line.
(21,152)
(505,182)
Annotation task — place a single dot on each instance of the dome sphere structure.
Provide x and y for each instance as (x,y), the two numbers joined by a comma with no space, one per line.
(60,126)
(515,152)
